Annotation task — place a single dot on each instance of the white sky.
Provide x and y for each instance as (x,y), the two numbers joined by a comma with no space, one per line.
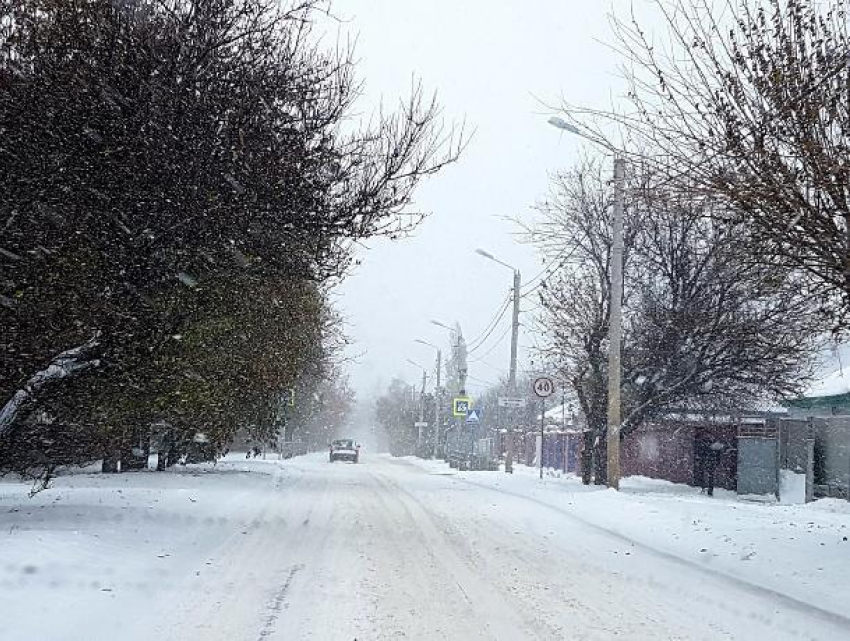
(491,63)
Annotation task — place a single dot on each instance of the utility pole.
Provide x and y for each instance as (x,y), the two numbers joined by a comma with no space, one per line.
(437,406)
(514,331)
(421,436)
(615,326)
(422,395)
(435,448)
(458,362)
(509,454)
(462,368)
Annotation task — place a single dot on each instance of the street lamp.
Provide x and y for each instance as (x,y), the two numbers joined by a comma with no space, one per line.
(615,324)
(515,323)
(560,123)
(509,455)
(436,430)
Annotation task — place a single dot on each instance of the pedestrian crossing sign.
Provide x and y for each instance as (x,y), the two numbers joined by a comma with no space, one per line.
(461,406)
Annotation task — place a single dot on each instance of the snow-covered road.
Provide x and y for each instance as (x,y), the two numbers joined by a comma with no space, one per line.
(386,549)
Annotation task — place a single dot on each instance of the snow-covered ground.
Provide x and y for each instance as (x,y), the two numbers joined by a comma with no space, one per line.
(801,551)
(394,548)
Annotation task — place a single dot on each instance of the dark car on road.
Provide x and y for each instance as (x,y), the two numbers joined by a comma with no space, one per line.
(344,449)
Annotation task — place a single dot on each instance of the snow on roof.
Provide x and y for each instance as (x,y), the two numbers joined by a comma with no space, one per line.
(834,384)
(557,412)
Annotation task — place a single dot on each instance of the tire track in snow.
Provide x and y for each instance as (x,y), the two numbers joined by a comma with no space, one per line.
(494,610)
(278,603)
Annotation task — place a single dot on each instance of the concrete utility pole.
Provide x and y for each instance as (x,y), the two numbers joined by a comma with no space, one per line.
(420,438)
(458,360)
(615,326)
(422,395)
(462,367)
(509,455)
(436,430)
(514,332)
(512,390)
(462,371)
(437,398)
(615,321)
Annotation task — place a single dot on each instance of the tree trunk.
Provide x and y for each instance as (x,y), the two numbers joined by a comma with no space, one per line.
(110,463)
(173,454)
(587,457)
(600,459)
(162,452)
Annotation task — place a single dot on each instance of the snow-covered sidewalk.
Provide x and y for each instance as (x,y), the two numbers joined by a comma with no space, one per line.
(800,551)
(112,544)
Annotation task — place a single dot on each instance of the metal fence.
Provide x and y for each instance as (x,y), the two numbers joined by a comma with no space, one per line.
(831,474)
(814,449)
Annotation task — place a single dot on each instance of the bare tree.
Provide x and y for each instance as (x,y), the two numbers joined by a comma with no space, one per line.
(749,101)
(705,326)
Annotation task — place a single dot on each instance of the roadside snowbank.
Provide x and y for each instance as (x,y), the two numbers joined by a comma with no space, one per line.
(109,543)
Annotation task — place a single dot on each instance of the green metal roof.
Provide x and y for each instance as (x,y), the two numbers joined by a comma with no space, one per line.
(811,402)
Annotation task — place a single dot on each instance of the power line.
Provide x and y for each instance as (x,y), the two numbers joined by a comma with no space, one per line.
(495,345)
(478,341)
(490,332)
(558,262)
(500,370)
(480,380)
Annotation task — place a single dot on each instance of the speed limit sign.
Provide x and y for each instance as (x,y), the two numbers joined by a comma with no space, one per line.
(544,386)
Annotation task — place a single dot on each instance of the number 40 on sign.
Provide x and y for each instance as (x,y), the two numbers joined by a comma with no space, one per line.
(543,386)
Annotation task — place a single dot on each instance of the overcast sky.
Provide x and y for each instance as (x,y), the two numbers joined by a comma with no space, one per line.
(491,63)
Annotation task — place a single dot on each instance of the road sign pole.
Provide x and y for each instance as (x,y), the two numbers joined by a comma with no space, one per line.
(542,420)
(543,387)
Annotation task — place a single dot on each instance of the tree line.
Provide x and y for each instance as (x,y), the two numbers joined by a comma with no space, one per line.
(182,184)
(737,223)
